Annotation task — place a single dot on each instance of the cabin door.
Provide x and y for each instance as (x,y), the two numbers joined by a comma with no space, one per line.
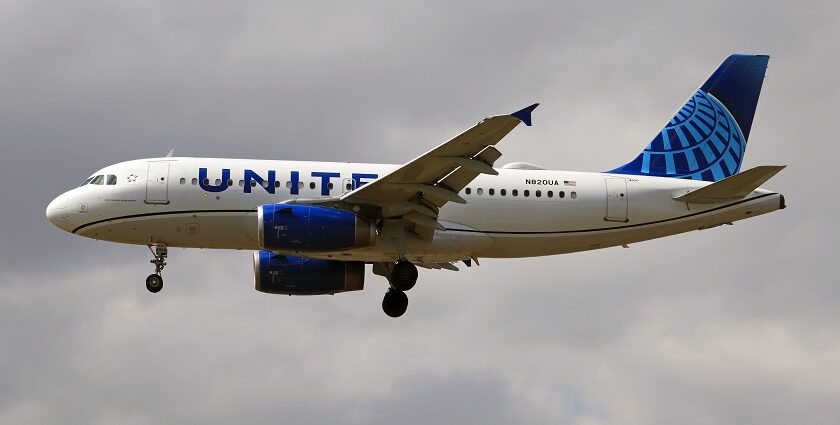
(157,183)
(616,199)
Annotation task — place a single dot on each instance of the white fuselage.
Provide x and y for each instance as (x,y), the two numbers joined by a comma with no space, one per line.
(518,213)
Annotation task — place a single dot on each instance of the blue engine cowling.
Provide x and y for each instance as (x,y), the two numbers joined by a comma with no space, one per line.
(302,228)
(283,274)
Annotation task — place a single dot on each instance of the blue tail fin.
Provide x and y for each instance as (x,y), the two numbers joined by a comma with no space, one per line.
(707,138)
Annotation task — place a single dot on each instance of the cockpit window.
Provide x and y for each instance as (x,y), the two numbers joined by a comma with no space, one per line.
(86,181)
(112,180)
(98,179)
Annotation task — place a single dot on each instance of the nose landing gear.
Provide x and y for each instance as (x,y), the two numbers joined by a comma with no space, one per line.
(154,282)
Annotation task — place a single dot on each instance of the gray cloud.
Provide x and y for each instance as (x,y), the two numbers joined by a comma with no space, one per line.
(734,325)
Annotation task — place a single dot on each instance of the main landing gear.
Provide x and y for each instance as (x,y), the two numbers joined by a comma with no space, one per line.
(395,303)
(402,277)
(154,282)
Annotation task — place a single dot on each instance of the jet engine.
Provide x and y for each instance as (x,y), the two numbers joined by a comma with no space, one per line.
(301,228)
(282,274)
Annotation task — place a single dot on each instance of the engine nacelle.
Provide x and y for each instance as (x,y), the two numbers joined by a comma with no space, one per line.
(282,274)
(301,228)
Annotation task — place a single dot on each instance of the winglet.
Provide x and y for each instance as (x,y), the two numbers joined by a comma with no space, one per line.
(524,114)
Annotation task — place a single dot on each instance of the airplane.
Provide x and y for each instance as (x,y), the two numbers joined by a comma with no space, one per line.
(314,226)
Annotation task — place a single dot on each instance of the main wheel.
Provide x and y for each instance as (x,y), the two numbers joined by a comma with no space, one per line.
(154,283)
(403,275)
(395,303)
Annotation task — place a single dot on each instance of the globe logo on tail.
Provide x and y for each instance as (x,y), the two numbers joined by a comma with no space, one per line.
(702,138)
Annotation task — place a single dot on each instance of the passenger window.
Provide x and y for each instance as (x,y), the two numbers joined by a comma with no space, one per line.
(241,183)
(98,179)
(194,181)
(206,182)
(562,194)
(253,183)
(491,191)
(550,194)
(276,183)
(514,192)
(300,185)
(479,191)
(312,185)
(527,192)
(183,180)
(218,182)
(468,191)
(230,182)
(573,195)
(112,179)
(349,186)
(288,184)
(330,186)
(539,193)
(503,192)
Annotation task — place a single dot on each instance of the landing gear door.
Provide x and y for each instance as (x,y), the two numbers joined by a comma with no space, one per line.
(616,199)
(347,185)
(157,183)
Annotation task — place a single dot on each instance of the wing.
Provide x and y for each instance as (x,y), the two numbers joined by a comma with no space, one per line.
(417,190)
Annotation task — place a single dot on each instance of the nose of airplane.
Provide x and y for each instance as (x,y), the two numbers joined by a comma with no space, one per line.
(57,212)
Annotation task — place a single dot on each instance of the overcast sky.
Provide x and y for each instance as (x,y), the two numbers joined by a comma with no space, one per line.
(735,325)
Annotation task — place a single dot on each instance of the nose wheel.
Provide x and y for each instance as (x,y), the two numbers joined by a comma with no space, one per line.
(154,282)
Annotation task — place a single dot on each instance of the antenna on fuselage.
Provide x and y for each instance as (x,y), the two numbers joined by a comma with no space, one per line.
(171,152)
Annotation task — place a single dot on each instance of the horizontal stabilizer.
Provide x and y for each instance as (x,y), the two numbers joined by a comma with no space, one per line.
(732,188)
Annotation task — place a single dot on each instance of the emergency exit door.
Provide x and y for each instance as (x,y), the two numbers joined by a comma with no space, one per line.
(616,199)
(157,183)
